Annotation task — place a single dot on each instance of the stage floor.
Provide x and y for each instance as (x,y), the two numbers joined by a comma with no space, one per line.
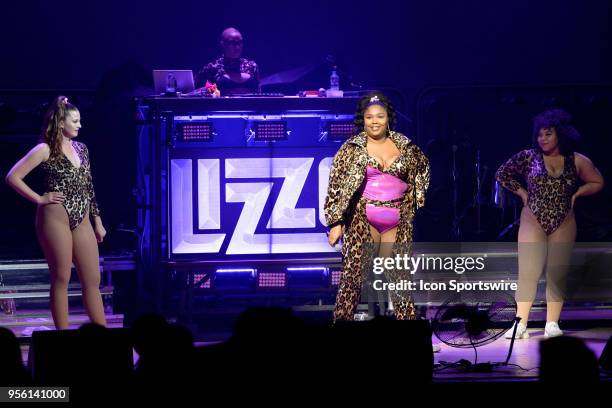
(523,364)
(593,325)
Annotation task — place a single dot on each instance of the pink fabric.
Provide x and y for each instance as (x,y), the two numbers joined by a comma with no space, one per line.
(382,218)
(383,186)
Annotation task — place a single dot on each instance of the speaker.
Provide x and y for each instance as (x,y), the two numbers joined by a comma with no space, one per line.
(605,360)
(84,356)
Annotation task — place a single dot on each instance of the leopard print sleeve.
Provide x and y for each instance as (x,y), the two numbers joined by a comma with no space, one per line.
(422,177)
(336,200)
(516,166)
(94,210)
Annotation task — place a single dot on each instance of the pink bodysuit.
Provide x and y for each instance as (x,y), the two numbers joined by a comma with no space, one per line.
(388,190)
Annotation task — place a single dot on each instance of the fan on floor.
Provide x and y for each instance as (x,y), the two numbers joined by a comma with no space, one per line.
(473,319)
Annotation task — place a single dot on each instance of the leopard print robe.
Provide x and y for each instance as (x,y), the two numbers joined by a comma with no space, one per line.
(344,205)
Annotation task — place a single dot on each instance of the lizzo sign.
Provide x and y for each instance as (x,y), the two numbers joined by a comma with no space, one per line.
(230,202)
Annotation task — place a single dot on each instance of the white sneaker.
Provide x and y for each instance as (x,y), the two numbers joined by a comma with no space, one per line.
(552,330)
(521,332)
(361,317)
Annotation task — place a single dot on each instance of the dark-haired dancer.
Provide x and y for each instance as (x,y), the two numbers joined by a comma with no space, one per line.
(377,181)
(63,216)
(547,228)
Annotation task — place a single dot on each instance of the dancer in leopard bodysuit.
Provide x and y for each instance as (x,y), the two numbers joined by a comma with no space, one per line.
(63,224)
(551,171)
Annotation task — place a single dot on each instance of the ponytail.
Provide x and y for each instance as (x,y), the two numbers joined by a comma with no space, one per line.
(52,132)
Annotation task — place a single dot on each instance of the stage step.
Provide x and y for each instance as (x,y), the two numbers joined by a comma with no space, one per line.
(23,323)
(24,285)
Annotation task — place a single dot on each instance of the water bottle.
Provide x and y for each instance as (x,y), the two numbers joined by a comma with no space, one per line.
(171,83)
(334,81)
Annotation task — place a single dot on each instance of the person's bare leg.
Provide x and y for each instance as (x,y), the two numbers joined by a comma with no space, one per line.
(387,239)
(373,296)
(53,231)
(87,262)
(385,250)
(560,245)
(531,257)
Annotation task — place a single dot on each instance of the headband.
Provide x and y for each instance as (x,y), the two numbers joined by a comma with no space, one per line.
(375,101)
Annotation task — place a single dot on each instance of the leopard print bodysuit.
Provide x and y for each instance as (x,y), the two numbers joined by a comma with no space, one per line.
(549,197)
(60,175)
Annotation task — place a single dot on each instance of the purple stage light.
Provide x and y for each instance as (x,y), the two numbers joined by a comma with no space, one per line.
(235,278)
(320,269)
(308,276)
(203,285)
(335,277)
(252,271)
(339,131)
(271,280)
(195,131)
(270,130)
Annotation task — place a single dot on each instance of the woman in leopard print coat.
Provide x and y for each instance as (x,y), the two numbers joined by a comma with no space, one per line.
(345,206)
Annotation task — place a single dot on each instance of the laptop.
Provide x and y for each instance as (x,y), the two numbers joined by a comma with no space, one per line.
(184,80)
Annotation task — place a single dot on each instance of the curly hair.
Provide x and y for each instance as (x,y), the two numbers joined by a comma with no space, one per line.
(51,131)
(560,120)
(362,105)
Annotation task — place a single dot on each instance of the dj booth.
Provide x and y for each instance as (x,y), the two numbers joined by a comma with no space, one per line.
(237,186)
